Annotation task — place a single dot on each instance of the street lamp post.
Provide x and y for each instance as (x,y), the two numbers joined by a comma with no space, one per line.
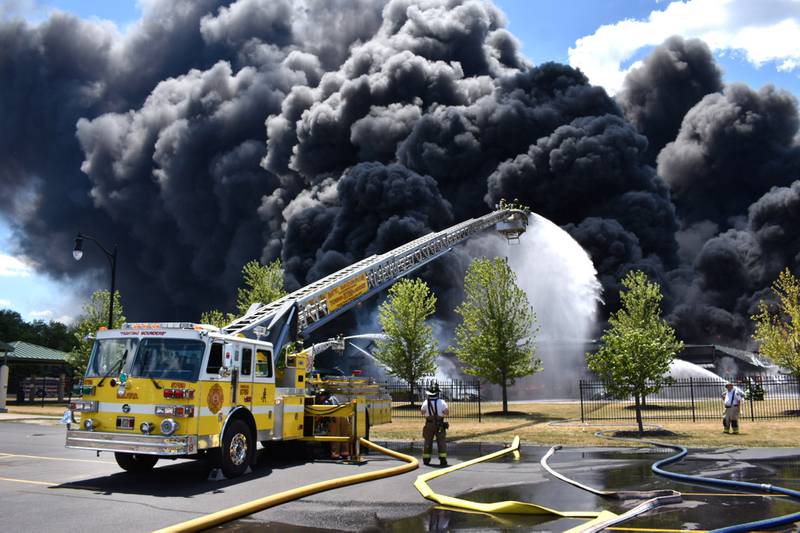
(77,253)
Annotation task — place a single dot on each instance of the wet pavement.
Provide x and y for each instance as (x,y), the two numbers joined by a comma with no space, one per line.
(44,487)
(703,507)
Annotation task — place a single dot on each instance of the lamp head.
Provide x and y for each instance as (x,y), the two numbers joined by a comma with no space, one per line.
(77,251)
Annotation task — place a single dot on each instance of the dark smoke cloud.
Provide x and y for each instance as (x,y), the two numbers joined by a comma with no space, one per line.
(462,145)
(425,55)
(671,80)
(593,170)
(154,139)
(731,148)
(212,133)
(734,270)
(378,207)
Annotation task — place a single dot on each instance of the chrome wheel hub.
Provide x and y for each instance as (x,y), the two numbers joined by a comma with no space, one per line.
(238,449)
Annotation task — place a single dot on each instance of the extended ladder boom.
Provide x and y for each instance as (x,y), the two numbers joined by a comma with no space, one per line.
(313,305)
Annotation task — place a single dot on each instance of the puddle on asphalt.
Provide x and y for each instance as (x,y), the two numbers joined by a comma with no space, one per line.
(625,469)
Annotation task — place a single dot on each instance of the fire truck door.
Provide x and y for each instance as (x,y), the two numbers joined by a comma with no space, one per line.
(264,393)
(246,376)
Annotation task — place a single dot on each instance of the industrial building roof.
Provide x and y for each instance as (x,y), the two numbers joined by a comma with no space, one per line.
(28,351)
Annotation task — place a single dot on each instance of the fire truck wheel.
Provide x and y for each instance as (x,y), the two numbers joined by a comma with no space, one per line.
(237,449)
(135,462)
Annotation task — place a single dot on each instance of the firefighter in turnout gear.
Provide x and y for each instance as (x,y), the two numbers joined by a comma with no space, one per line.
(434,410)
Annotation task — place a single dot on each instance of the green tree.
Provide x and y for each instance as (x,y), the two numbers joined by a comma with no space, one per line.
(262,283)
(638,347)
(93,317)
(51,334)
(496,338)
(217,318)
(778,333)
(409,351)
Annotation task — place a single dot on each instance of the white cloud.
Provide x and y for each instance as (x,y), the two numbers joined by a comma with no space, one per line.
(47,313)
(5,303)
(11,266)
(765,31)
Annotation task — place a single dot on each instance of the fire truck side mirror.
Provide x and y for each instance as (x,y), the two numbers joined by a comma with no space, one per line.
(227,360)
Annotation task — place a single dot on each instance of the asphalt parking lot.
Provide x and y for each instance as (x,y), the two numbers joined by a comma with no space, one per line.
(45,487)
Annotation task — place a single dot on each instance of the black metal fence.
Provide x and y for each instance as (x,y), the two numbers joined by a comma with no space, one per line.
(765,397)
(463,398)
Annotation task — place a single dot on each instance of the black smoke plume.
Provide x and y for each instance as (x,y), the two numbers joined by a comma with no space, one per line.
(212,133)
(732,148)
(671,80)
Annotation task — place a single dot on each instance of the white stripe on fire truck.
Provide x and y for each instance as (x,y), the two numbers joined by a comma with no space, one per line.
(135,408)
(150,409)
(256,410)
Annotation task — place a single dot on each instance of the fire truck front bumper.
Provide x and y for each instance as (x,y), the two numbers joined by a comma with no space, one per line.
(173,445)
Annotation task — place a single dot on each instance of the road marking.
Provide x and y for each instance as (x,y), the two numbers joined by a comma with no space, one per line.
(4,455)
(46,483)
(65,485)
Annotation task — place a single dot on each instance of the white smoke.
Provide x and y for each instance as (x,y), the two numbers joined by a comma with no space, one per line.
(561,283)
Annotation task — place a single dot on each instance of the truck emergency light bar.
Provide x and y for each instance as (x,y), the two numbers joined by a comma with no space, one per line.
(169,325)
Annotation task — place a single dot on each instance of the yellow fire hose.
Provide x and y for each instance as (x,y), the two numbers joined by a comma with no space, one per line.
(244,509)
(504,507)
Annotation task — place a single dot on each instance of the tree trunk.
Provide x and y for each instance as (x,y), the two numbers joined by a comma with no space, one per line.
(644,402)
(411,392)
(505,397)
(639,415)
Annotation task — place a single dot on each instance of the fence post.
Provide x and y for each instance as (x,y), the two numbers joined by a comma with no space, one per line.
(44,390)
(580,386)
(691,389)
(752,414)
(479,401)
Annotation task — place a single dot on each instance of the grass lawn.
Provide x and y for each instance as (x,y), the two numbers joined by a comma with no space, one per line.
(544,424)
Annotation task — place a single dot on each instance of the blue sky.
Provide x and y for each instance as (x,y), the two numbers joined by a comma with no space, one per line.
(602,38)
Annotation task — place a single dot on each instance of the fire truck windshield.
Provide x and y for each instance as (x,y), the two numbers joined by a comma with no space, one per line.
(107,355)
(178,359)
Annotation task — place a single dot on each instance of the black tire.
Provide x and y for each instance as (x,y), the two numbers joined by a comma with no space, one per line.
(238,446)
(135,462)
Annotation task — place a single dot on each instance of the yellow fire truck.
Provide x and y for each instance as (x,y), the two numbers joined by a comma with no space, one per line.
(154,390)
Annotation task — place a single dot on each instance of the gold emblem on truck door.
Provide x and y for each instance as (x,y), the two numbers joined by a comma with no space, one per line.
(215,398)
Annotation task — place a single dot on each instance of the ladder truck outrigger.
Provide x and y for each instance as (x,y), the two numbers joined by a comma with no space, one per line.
(172,390)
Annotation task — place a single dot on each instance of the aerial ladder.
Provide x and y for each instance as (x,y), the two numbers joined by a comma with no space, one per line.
(297,315)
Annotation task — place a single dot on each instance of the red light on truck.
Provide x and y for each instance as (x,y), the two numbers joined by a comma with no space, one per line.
(179,394)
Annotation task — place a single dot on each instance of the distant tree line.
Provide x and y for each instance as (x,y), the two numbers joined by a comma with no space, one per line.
(51,334)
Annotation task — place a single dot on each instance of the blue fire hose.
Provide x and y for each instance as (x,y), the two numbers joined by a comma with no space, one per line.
(763,487)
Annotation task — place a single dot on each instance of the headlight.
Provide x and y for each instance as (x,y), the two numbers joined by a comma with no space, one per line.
(89,424)
(168,426)
(146,428)
(83,406)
